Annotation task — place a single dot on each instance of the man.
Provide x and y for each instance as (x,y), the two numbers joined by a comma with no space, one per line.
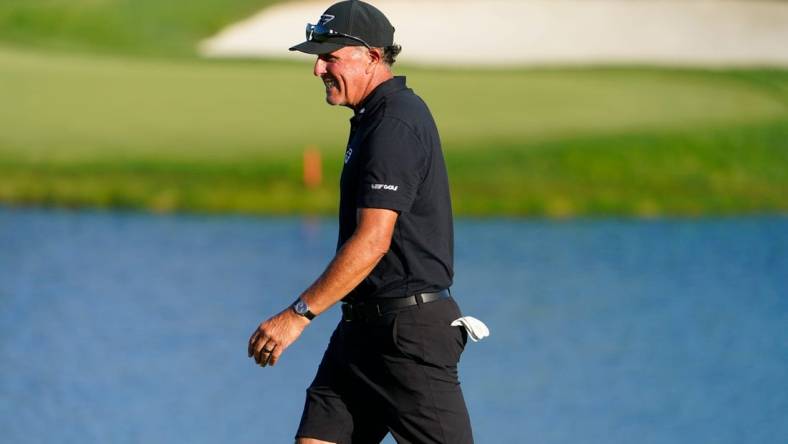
(391,364)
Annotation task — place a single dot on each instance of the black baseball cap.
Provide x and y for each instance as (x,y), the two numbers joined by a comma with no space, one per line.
(347,23)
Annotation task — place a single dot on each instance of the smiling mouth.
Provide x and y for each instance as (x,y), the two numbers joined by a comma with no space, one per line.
(329,82)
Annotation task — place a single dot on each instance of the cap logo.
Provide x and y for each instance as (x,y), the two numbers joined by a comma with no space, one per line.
(325,18)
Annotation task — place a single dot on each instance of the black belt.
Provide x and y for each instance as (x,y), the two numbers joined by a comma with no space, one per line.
(378,307)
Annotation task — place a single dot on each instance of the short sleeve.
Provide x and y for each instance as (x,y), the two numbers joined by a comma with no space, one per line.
(393,165)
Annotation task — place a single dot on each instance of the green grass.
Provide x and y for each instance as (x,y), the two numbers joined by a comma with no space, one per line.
(150,27)
(88,130)
(726,171)
(721,172)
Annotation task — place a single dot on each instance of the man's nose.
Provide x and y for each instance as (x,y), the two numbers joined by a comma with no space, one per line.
(320,67)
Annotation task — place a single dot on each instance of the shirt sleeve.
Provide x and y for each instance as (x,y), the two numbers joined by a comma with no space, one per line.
(394,164)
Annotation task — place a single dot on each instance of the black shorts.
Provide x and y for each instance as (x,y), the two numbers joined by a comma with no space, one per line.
(396,373)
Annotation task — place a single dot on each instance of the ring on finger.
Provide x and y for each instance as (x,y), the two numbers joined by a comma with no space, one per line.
(267,359)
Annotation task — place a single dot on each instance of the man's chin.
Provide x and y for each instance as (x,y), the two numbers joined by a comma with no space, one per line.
(334,101)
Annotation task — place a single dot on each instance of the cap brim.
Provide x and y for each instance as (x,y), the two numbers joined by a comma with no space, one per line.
(310,47)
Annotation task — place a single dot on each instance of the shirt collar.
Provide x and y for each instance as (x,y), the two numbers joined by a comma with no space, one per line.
(378,94)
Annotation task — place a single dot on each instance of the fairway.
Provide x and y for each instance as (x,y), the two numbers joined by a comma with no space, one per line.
(228,136)
(109,107)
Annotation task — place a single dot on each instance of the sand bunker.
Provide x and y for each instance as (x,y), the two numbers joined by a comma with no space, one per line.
(501,32)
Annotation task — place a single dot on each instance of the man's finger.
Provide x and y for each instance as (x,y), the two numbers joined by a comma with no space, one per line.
(263,346)
(275,356)
(267,355)
(259,342)
(254,347)
(252,339)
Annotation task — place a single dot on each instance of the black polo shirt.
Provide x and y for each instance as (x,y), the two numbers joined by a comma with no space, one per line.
(394,161)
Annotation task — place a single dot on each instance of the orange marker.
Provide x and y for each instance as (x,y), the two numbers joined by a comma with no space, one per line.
(313,169)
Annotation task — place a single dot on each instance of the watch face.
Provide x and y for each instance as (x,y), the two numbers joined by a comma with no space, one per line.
(301,308)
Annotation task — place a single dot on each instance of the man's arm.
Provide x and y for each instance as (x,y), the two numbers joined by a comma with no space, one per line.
(353,262)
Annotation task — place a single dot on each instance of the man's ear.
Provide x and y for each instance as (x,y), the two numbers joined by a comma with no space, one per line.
(375,57)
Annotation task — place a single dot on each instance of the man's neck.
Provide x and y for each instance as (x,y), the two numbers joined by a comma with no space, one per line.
(377,78)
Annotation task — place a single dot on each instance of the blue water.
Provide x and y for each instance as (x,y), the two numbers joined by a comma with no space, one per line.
(125,328)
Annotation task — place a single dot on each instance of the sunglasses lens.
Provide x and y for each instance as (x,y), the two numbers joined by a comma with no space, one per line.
(315,33)
(319,33)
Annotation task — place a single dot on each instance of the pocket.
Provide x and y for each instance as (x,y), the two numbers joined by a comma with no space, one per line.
(432,343)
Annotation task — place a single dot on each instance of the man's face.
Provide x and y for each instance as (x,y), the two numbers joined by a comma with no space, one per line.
(344,75)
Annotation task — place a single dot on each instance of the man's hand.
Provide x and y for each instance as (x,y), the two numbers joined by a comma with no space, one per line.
(273,336)
(354,261)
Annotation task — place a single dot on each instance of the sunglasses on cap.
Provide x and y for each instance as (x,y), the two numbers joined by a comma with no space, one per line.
(319,33)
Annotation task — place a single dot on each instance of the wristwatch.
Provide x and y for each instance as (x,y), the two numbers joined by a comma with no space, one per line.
(301,309)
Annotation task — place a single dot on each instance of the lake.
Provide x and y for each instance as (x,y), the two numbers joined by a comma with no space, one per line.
(125,327)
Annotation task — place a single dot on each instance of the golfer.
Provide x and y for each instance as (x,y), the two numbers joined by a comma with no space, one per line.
(391,363)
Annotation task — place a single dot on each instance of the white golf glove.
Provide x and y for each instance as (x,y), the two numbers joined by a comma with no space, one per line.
(475,328)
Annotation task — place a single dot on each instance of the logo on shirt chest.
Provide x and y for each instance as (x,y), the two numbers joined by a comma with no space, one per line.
(348,153)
